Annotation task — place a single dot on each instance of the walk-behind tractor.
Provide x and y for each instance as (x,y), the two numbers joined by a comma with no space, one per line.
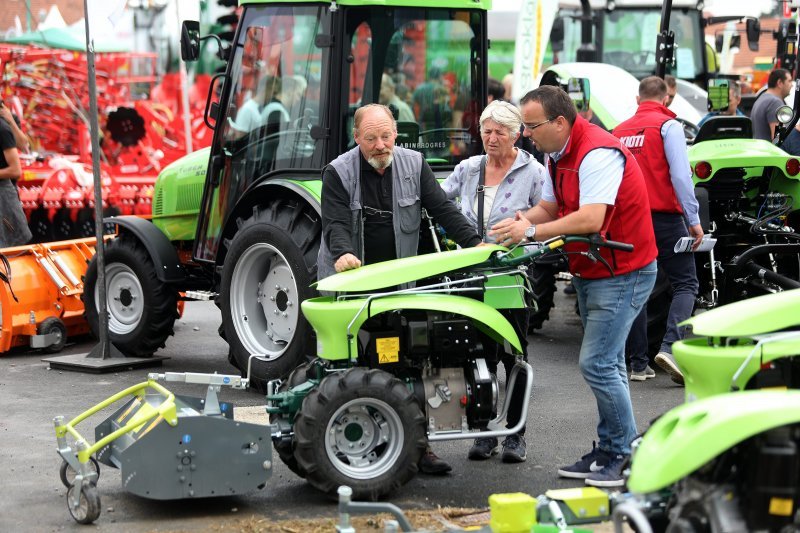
(240,223)
(401,366)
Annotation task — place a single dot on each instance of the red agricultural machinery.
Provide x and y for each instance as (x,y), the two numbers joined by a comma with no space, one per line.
(141,132)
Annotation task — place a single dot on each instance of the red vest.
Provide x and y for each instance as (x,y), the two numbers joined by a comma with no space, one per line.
(641,134)
(630,223)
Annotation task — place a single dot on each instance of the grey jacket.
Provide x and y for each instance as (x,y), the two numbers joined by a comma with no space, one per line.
(520,189)
(407,206)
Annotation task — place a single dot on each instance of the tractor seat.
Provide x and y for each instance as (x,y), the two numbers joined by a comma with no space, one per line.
(724,127)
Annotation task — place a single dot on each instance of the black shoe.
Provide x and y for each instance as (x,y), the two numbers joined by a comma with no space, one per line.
(594,461)
(570,289)
(483,448)
(514,449)
(430,463)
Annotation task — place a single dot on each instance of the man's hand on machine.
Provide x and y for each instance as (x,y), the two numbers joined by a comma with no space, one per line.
(510,231)
(347,262)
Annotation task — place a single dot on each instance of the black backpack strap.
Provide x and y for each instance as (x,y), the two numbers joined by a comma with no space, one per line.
(479,191)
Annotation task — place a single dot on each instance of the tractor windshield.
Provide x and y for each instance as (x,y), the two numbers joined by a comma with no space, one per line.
(628,40)
(423,64)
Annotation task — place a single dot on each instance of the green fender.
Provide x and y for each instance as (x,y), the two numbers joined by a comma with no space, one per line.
(692,434)
(330,318)
(772,312)
(399,271)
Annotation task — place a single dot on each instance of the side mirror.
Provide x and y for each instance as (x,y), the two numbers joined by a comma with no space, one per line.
(557,35)
(579,91)
(718,96)
(190,40)
(753,31)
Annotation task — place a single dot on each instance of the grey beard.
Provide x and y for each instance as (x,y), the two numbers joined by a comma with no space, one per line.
(377,164)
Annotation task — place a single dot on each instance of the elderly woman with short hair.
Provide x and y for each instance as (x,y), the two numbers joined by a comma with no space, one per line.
(512,177)
(512,181)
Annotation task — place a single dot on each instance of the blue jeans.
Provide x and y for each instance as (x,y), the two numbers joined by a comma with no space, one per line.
(608,307)
(680,270)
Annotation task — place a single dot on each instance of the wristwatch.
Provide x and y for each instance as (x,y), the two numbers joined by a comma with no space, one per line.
(530,233)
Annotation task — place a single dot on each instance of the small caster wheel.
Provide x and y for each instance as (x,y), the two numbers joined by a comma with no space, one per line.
(88,508)
(67,473)
(54,325)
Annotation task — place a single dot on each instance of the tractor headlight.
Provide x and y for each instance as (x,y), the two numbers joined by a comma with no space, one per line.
(784,114)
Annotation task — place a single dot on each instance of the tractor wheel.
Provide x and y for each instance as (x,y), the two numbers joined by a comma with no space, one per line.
(141,308)
(55,325)
(284,447)
(543,284)
(361,428)
(270,265)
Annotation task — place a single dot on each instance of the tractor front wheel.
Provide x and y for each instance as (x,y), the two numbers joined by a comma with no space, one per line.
(361,428)
(141,308)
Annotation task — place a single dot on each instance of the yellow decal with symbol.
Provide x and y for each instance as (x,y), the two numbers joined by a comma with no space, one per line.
(388,350)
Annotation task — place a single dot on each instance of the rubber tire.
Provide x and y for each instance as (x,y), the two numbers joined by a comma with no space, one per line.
(542,277)
(40,226)
(66,471)
(336,390)
(49,324)
(293,229)
(285,448)
(160,299)
(90,498)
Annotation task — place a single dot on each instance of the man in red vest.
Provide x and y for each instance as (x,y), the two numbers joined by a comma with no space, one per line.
(657,142)
(591,172)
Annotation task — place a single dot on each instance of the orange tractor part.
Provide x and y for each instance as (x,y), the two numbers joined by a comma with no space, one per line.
(40,293)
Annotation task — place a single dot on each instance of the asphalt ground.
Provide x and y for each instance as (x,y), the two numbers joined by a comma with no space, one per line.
(561,427)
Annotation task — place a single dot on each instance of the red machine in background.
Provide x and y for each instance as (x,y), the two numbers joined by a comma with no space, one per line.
(141,132)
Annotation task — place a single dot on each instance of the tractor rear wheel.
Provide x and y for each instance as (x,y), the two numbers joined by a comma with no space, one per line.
(361,428)
(270,265)
(141,308)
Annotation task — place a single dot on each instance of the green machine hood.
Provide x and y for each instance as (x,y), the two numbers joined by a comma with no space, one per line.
(737,153)
(691,435)
(178,194)
(406,270)
(763,314)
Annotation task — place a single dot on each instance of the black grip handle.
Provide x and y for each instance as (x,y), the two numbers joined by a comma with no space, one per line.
(616,245)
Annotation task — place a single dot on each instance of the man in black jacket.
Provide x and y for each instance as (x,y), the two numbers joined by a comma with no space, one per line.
(372,199)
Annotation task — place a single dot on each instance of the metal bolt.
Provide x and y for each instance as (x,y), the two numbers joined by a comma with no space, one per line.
(284,314)
(271,298)
(277,287)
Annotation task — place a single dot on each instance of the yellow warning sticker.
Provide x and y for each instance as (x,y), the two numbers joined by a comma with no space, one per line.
(388,350)
(780,506)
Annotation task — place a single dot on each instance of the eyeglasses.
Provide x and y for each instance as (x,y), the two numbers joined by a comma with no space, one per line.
(534,126)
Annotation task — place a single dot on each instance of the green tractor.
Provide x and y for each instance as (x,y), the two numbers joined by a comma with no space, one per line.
(240,222)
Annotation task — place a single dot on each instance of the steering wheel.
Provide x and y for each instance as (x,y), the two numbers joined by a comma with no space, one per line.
(689,130)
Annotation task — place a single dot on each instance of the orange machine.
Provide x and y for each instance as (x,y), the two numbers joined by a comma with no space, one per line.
(40,293)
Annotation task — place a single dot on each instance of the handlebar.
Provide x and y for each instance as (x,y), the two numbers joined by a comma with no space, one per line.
(594,240)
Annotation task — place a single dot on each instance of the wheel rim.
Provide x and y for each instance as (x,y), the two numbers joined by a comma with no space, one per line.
(125,299)
(364,438)
(265,305)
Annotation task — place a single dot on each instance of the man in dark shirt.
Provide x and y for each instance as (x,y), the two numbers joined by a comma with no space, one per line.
(386,214)
(372,198)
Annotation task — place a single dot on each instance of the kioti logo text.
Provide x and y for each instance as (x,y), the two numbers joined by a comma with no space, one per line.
(633,141)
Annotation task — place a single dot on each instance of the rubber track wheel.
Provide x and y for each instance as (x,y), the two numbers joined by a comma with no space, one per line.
(160,307)
(321,403)
(295,230)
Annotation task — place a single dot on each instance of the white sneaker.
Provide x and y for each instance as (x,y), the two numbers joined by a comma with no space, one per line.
(667,362)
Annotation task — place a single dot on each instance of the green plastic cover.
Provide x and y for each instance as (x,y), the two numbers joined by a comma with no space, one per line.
(738,153)
(689,436)
(762,314)
(330,318)
(400,271)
